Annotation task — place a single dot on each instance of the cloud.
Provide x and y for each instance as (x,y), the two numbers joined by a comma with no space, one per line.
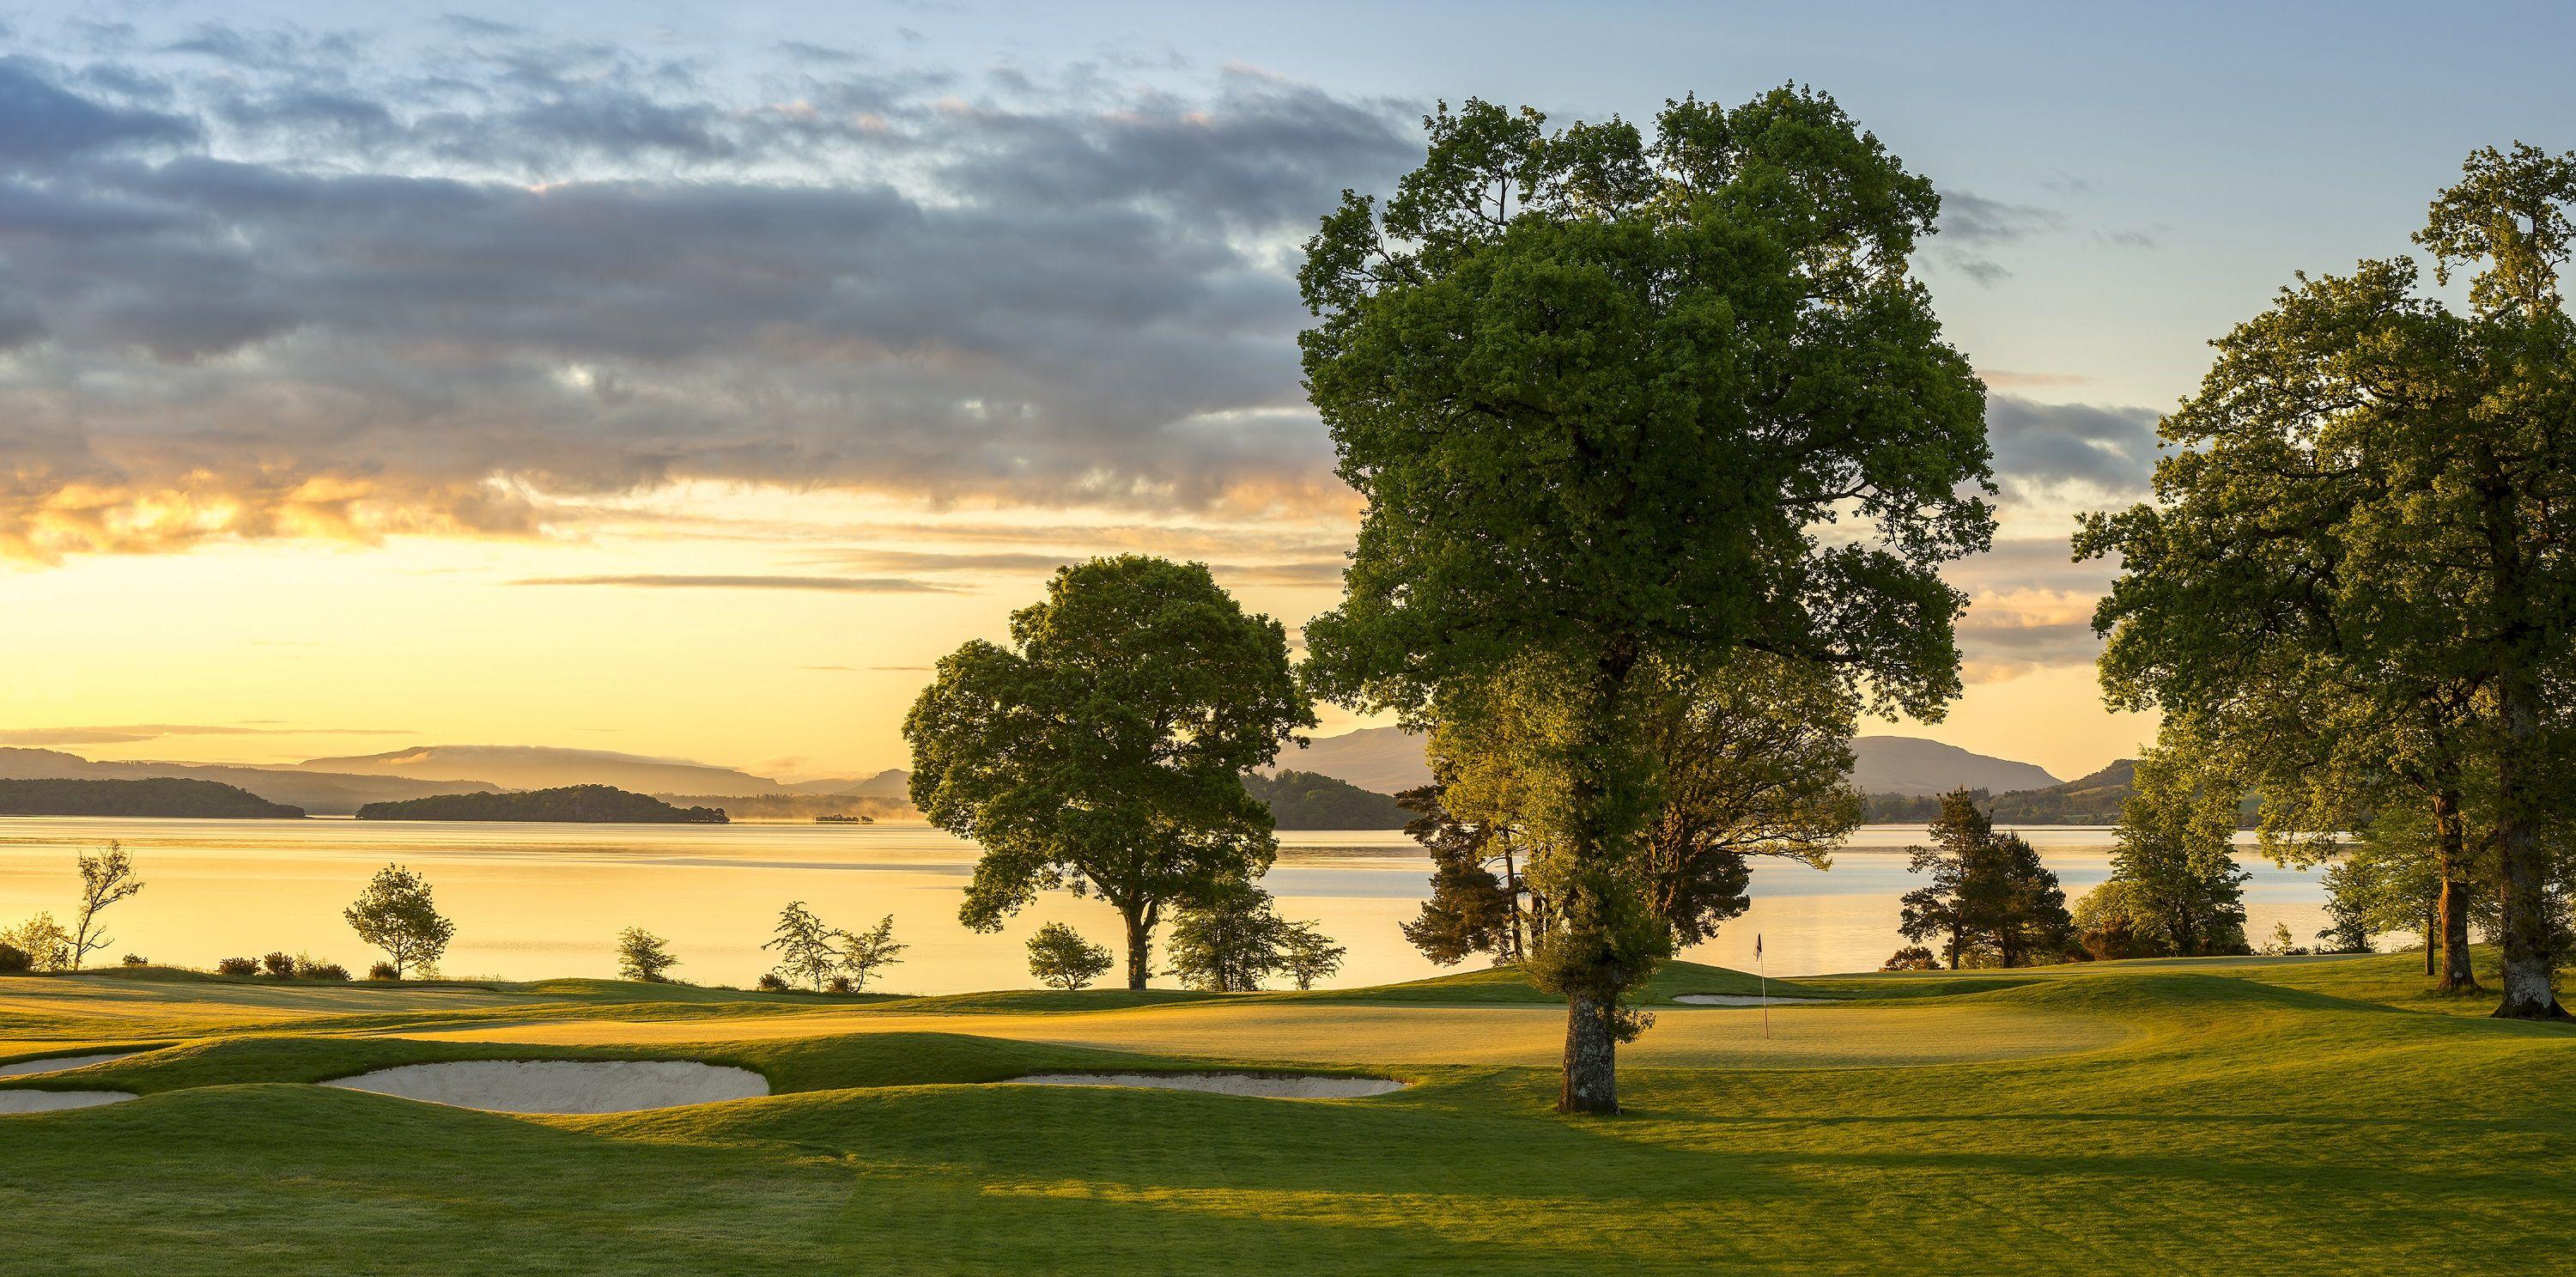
(2108,448)
(833,584)
(1978,220)
(271,286)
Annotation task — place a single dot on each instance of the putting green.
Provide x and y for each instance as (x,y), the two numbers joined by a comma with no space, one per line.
(1865,1035)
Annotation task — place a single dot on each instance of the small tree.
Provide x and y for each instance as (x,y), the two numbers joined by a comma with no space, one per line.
(1061,959)
(1476,885)
(808,949)
(1229,942)
(47,945)
(106,877)
(1103,750)
(2177,834)
(1989,892)
(863,953)
(1306,954)
(641,955)
(396,914)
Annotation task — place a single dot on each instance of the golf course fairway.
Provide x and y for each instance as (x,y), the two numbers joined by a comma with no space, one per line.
(2285,1116)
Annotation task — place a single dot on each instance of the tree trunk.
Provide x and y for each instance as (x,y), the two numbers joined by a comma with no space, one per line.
(2432,929)
(1140,945)
(1591,1083)
(2527,995)
(2451,852)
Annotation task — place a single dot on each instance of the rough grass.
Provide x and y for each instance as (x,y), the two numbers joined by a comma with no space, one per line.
(2246,1116)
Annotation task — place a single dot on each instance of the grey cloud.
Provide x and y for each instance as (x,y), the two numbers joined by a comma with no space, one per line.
(48,122)
(130,733)
(1977,219)
(2107,446)
(294,341)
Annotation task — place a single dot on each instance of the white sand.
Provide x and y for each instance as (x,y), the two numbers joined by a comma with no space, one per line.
(50,1101)
(1738,1000)
(1266,1086)
(562,1086)
(57,1064)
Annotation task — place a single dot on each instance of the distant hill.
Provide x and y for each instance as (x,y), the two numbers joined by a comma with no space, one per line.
(322,793)
(1911,765)
(1305,800)
(798,806)
(2089,800)
(890,783)
(548,767)
(144,796)
(588,804)
(1388,760)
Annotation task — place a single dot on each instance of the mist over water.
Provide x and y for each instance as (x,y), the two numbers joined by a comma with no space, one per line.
(538,900)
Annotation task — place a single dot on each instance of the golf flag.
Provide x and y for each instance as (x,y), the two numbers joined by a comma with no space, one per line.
(1757,946)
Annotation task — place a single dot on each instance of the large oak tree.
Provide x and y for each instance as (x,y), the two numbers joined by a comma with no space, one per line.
(1617,403)
(2366,529)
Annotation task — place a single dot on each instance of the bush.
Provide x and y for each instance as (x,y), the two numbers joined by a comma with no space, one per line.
(837,984)
(308,969)
(770,983)
(14,960)
(237,966)
(133,960)
(280,965)
(1061,959)
(383,971)
(1913,957)
(641,955)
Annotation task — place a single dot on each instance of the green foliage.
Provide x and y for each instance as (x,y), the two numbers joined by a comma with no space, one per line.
(809,949)
(1061,959)
(1233,941)
(397,914)
(642,955)
(1305,800)
(2185,892)
(1473,908)
(1103,751)
(1603,395)
(46,943)
(1306,954)
(589,804)
(864,953)
(1990,898)
(151,796)
(2352,579)
(14,960)
(237,966)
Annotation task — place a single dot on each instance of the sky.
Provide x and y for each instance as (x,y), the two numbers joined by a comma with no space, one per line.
(684,380)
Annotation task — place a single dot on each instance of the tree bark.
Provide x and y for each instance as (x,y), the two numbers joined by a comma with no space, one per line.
(2452,860)
(2527,993)
(1591,1080)
(1591,1083)
(1140,945)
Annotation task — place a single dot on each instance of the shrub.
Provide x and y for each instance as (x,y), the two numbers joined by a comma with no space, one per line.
(1913,957)
(280,965)
(1061,959)
(14,960)
(237,966)
(837,984)
(769,982)
(308,969)
(383,971)
(135,960)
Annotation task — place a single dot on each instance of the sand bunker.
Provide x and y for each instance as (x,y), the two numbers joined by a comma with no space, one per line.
(57,1064)
(562,1086)
(1738,1000)
(1266,1086)
(50,1101)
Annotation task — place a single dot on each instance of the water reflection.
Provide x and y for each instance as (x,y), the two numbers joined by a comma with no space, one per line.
(548,900)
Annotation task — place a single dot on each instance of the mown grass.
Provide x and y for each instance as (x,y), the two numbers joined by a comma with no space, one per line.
(2267,1117)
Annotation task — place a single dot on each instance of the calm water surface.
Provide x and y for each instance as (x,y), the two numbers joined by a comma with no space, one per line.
(538,900)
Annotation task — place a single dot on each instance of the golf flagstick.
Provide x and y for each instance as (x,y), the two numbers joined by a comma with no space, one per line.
(1764,976)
